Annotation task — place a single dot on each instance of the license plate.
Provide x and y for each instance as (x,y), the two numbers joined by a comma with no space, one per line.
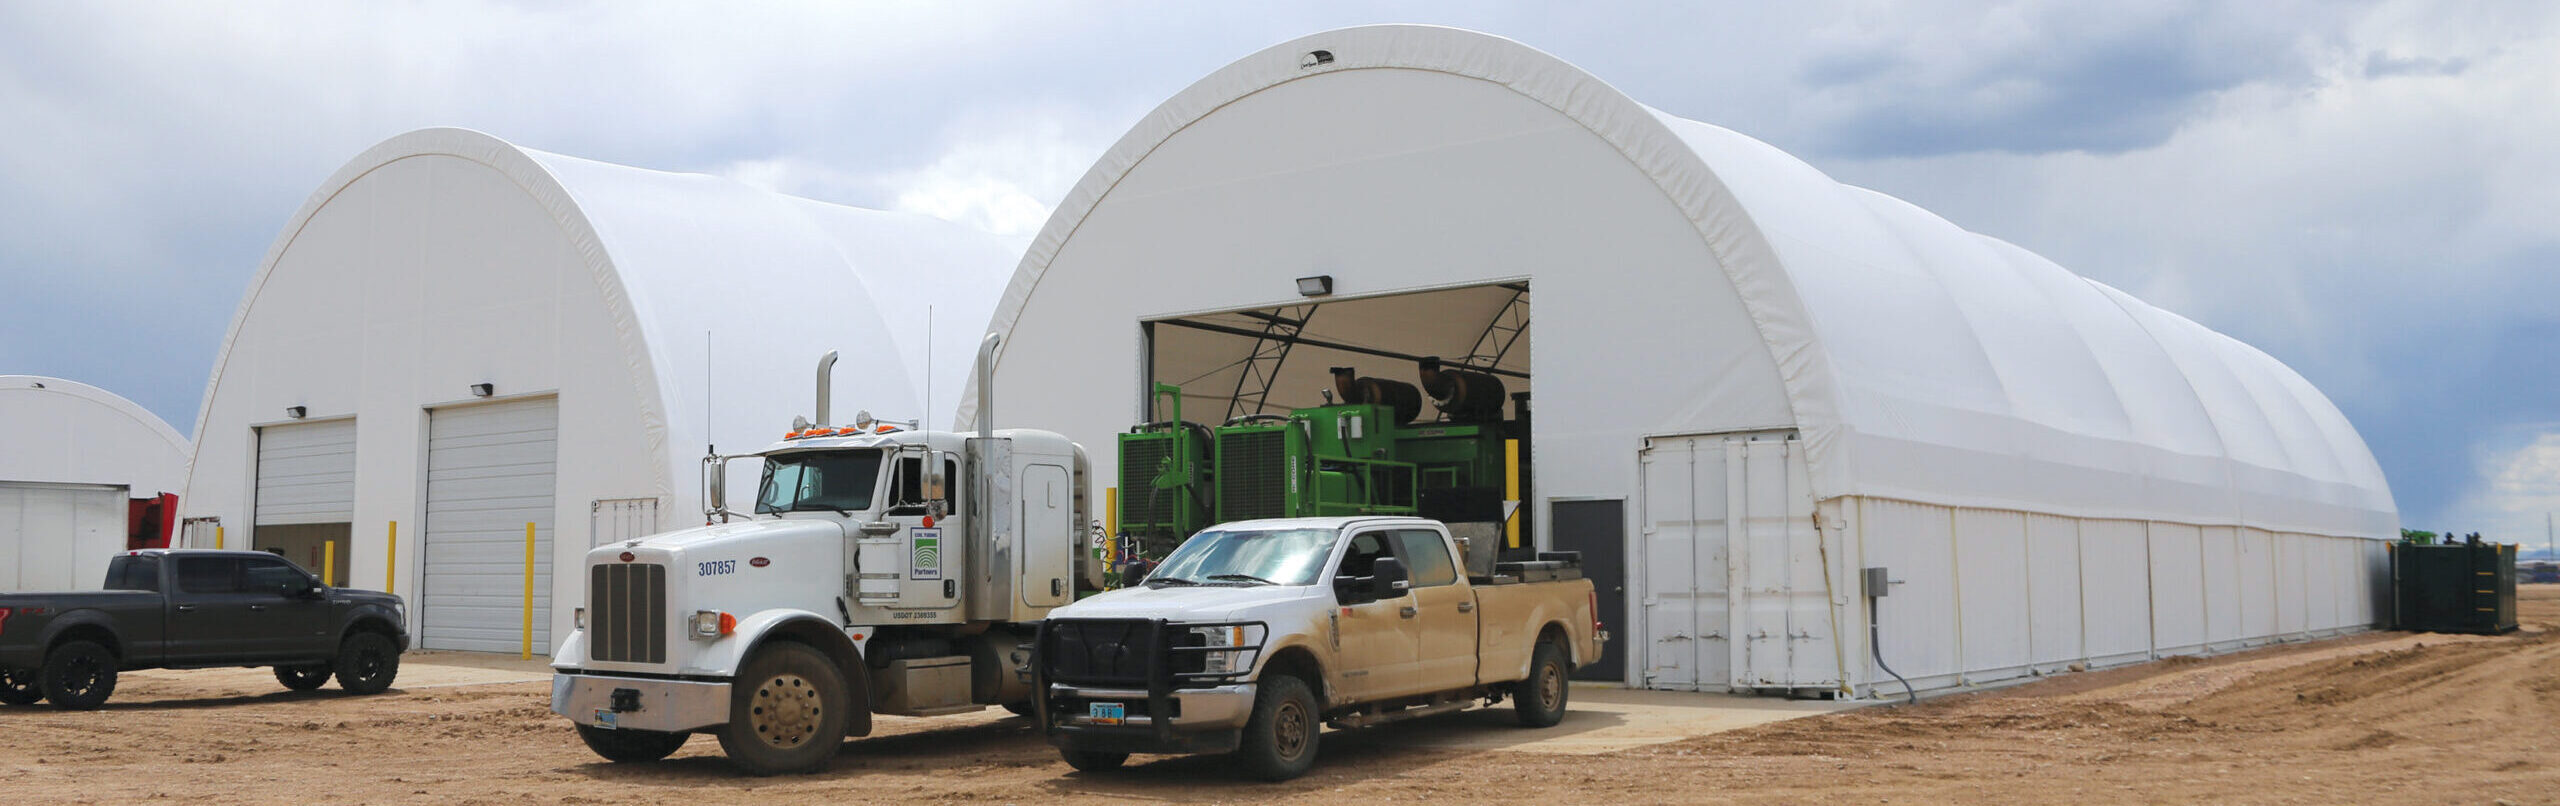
(605,718)
(1107,713)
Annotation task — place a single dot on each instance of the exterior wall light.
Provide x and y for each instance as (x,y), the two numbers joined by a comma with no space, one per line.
(295,412)
(483,390)
(1316,286)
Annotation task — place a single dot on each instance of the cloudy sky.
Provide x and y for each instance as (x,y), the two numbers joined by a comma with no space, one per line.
(2369,191)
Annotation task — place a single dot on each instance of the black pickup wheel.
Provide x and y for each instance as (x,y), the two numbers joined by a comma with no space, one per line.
(18,687)
(303,678)
(1093,760)
(367,662)
(79,676)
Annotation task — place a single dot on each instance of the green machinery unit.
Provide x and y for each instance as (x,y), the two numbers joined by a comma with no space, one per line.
(1353,459)
(1164,478)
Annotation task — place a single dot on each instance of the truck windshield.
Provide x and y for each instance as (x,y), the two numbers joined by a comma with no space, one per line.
(1271,556)
(830,481)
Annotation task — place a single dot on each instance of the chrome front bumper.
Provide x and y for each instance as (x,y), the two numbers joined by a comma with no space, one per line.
(659,705)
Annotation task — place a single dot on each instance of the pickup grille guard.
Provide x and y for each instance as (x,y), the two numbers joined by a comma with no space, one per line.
(1155,655)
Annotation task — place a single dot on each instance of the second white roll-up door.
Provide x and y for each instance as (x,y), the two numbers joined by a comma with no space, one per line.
(489,473)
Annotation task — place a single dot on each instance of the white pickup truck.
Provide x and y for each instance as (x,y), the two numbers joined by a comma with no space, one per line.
(1254,634)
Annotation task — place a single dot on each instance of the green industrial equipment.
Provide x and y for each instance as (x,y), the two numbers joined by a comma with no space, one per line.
(1164,478)
(1327,460)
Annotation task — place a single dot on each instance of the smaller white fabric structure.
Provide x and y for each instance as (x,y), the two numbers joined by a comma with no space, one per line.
(71,456)
(660,313)
(1771,380)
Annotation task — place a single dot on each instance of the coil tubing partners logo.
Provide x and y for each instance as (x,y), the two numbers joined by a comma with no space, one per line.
(924,554)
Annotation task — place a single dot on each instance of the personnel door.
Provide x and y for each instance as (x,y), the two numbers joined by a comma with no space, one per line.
(1445,637)
(1376,642)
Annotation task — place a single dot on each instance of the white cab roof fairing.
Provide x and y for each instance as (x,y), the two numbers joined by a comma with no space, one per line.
(1918,361)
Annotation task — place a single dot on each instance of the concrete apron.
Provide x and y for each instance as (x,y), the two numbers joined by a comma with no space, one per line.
(1608,719)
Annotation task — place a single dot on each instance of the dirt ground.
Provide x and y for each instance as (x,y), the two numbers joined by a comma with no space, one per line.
(2376,718)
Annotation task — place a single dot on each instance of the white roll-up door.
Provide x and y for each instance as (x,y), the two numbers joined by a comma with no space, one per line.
(489,472)
(307,473)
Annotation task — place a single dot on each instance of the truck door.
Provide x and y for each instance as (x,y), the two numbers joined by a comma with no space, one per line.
(209,616)
(284,623)
(1375,642)
(1049,537)
(1445,618)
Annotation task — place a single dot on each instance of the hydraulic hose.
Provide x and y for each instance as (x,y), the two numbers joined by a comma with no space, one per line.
(1875,646)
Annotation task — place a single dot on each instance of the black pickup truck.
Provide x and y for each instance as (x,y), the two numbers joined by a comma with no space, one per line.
(193,609)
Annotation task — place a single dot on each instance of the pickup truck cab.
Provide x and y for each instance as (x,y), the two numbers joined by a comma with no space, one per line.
(188,608)
(1253,635)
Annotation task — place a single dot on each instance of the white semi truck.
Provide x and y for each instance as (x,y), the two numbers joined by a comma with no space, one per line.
(882,570)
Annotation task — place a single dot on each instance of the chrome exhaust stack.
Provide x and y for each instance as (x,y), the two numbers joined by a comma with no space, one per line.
(987,386)
(826,384)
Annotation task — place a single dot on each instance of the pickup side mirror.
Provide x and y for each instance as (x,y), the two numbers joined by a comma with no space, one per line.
(313,592)
(1388,579)
(1351,590)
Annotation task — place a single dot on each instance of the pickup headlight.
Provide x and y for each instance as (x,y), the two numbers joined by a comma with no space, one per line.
(1243,641)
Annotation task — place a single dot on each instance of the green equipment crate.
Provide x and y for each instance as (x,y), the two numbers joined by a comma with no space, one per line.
(2454,587)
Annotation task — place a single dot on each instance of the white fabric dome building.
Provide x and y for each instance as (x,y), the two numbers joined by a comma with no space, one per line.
(455,337)
(71,458)
(1750,381)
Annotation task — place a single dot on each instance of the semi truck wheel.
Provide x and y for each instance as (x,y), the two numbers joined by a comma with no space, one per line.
(367,662)
(1540,699)
(18,687)
(79,676)
(1093,760)
(303,678)
(1280,739)
(787,711)
(630,746)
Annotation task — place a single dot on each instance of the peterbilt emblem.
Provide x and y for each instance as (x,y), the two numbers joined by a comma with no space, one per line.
(759,562)
(628,556)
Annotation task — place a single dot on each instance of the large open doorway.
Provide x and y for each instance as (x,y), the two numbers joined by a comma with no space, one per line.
(1409,403)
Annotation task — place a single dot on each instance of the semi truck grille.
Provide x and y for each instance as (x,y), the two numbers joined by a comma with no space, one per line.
(1114,653)
(1252,474)
(1141,504)
(627,613)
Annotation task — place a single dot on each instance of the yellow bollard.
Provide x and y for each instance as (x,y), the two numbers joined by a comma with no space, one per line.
(391,555)
(1511,491)
(329,563)
(217,537)
(527,652)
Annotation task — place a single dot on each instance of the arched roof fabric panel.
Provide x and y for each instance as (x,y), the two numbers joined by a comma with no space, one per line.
(70,432)
(1922,362)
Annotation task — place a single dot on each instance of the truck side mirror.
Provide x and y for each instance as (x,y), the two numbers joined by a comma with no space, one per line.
(1387,580)
(1351,590)
(881,528)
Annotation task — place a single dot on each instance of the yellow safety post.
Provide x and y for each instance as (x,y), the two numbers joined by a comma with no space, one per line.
(329,563)
(1110,525)
(217,537)
(1511,491)
(391,556)
(527,652)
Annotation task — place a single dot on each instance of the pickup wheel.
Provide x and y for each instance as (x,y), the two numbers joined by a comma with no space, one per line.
(1093,760)
(367,662)
(787,711)
(303,678)
(1280,739)
(78,676)
(631,746)
(1540,699)
(18,687)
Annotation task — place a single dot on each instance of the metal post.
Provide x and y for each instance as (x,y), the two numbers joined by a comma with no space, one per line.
(526,652)
(1511,492)
(217,537)
(391,557)
(329,563)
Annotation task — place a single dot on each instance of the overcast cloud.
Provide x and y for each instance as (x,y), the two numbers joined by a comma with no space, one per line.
(2367,191)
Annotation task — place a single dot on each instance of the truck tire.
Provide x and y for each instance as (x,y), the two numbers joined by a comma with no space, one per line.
(1093,760)
(787,711)
(1280,739)
(1540,698)
(367,662)
(18,687)
(78,676)
(303,678)
(631,746)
